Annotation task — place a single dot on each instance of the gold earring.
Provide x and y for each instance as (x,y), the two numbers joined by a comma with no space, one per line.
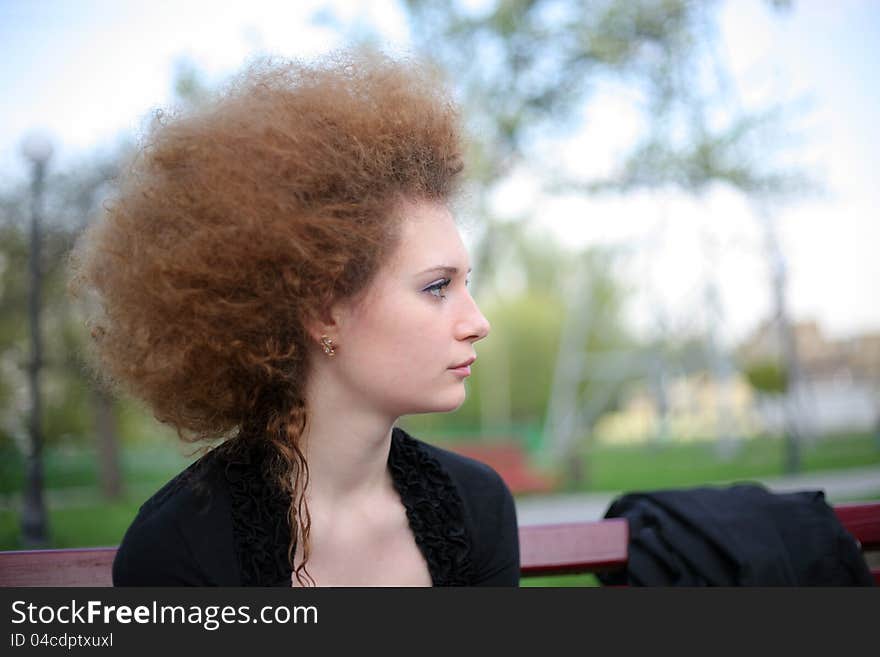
(329,349)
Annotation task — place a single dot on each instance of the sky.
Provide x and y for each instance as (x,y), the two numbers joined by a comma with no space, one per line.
(87,73)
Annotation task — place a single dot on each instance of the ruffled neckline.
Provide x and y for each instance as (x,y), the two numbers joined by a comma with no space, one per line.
(433,506)
(434,510)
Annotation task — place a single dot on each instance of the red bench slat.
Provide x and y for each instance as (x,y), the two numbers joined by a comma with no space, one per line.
(573,547)
(580,547)
(862,521)
(68,567)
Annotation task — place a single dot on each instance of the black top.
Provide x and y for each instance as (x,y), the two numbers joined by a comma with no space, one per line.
(221,523)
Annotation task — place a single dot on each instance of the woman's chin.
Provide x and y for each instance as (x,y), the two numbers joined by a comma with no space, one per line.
(445,404)
(455,402)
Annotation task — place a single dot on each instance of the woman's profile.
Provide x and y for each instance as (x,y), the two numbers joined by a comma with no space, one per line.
(280,275)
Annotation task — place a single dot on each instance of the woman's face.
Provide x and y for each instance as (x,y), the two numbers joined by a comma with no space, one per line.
(399,344)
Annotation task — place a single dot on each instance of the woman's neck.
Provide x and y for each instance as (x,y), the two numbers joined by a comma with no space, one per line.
(346,447)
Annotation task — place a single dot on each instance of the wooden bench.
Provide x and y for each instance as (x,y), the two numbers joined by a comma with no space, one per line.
(581,547)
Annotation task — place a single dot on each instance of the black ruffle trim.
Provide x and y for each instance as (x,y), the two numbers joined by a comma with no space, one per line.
(260,525)
(434,509)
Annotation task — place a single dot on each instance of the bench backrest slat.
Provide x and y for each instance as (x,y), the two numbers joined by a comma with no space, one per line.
(862,521)
(69,567)
(580,547)
(573,547)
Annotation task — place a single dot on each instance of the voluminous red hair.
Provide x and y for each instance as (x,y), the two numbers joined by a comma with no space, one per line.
(239,222)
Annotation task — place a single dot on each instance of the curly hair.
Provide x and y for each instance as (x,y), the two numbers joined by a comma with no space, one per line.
(240,221)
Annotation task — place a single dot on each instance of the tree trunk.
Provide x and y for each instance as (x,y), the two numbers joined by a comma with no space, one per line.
(108,445)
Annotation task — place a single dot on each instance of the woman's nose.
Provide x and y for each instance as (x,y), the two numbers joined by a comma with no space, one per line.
(474,325)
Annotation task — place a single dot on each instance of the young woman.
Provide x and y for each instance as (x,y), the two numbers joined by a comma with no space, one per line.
(280,270)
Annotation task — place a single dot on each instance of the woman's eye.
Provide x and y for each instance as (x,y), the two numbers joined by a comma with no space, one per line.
(437,288)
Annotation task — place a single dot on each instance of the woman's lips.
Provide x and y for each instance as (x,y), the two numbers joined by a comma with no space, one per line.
(464,369)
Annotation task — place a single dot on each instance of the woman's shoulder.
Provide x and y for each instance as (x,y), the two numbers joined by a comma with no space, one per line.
(174,529)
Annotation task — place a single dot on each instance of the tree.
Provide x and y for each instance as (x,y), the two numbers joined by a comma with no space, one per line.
(767,377)
(72,197)
(526,69)
(76,404)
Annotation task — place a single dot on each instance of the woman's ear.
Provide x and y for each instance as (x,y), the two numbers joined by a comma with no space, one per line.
(317,328)
(328,322)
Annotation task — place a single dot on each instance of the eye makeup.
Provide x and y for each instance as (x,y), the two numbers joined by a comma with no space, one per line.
(436,289)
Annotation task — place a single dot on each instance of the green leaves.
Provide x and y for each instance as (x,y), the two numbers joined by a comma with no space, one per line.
(768,377)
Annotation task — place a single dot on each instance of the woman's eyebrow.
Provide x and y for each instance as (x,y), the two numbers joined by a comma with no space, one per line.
(446,269)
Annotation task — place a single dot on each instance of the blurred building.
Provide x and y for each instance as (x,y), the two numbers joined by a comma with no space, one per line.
(837,391)
(696,407)
(838,387)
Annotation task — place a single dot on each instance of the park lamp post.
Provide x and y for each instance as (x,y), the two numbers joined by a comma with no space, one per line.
(37,149)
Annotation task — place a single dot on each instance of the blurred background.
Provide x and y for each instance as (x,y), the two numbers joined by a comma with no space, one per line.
(672,216)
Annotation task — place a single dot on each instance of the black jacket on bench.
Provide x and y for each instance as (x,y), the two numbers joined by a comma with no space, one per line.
(219,523)
(742,535)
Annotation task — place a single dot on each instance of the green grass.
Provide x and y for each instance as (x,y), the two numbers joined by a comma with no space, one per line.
(77,514)
(586,579)
(88,526)
(75,466)
(692,464)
